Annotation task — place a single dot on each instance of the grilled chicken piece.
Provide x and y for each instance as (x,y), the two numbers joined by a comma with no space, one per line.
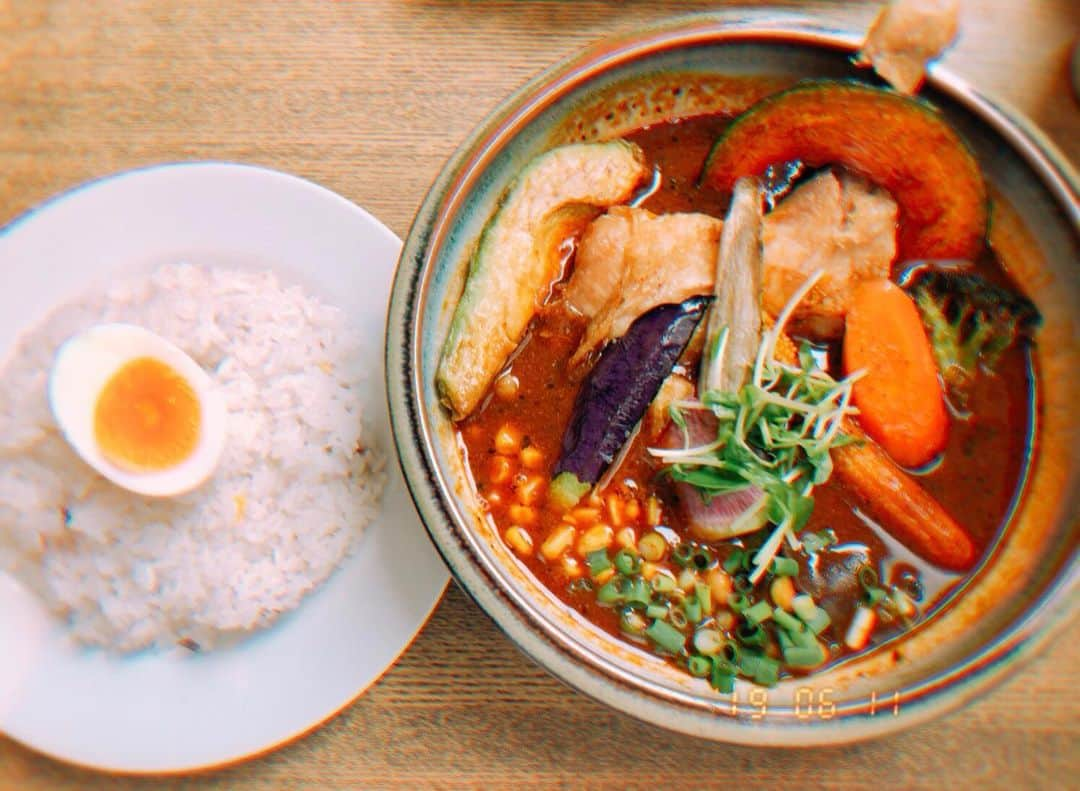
(631,260)
(839,223)
(905,36)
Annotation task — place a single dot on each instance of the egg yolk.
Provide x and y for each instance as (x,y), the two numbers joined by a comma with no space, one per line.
(147,416)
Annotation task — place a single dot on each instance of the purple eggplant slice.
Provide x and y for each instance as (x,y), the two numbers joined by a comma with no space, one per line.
(618,390)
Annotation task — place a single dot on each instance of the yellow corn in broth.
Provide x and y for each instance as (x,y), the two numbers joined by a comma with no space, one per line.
(147,416)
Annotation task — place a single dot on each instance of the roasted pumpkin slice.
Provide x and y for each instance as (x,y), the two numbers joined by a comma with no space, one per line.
(517,258)
(899,143)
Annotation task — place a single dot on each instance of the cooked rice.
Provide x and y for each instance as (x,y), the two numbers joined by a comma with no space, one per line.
(297,483)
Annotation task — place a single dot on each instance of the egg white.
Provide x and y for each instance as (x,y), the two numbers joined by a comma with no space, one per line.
(81,369)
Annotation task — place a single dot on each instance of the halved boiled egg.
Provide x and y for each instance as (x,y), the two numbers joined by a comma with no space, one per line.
(137,409)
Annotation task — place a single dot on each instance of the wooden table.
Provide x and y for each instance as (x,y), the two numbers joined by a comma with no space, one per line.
(369,98)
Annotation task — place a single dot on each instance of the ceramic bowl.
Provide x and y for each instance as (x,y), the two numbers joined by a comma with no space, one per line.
(1024,589)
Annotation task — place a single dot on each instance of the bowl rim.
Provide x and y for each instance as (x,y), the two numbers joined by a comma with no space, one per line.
(518,617)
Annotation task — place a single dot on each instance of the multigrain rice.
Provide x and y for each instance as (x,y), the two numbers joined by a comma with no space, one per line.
(296,485)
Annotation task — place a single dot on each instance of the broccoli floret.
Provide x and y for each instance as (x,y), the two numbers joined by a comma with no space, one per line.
(971,321)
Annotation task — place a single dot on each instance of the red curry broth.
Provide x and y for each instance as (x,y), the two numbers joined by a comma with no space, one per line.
(975,480)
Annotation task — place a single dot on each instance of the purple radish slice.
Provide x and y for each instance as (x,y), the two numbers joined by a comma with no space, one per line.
(723,515)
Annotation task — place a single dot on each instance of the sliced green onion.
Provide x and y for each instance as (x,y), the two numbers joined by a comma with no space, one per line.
(748,663)
(738,601)
(804,657)
(639,591)
(699,666)
(677,618)
(630,620)
(784,639)
(758,613)
(627,562)
(683,553)
(751,634)
(704,598)
(815,542)
(785,567)
(786,620)
(803,636)
(729,653)
(709,641)
(662,583)
(815,618)
(868,577)
(566,490)
(768,671)
(597,561)
(874,596)
(725,666)
(692,609)
(702,558)
(721,681)
(733,562)
(666,636)
(657,610)
(804,606)
(687,579)
(610,592)
(819,622)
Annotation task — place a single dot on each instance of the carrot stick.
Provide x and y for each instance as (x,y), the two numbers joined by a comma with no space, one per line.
(891,496)
(900,400)
(900,504)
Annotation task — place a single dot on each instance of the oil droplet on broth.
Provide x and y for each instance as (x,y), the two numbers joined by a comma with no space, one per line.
(147,417)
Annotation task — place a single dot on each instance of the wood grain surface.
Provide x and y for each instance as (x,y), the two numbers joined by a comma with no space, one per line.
(369,98)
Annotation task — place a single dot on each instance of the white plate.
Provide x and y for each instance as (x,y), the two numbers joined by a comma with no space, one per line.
(172,711)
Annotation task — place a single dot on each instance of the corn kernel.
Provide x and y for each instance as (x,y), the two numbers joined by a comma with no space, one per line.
(558,541)
(595,501)
(500,470)
(506,386)
(725,620)
(652,511)
(595,538)
(649,570)
(519,540)
(530,491)
(522,514)
(571,566)
(633,510)
(613,504)
(531,457)
(604,575)
(583,517)
(627,538)
(494,499)
(507,440)
(652,546)
(687,580)
(719,585)
(782,592)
